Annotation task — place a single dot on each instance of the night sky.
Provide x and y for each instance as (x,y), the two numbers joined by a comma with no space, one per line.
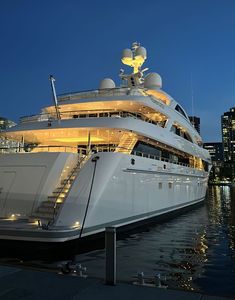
(190,43)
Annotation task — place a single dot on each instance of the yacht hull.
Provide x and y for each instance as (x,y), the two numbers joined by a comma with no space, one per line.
(116,189)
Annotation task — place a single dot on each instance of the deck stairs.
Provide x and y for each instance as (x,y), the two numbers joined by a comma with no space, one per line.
(48,209)
(127,143)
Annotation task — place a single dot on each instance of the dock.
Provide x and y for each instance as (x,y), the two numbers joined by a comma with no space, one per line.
(18,283)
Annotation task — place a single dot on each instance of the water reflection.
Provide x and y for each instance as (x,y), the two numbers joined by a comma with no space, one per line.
(194,251)
(218,275)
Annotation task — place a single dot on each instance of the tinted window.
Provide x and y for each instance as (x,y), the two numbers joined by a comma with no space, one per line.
(180,110)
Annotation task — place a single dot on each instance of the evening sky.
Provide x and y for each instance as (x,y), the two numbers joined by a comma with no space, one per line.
(190,43)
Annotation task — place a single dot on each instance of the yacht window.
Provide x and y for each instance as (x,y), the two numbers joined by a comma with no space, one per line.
(104,115)
(177,130)
(187,137)
(161,123)
(142,147)
(114,114)
(200,144)
(180,110)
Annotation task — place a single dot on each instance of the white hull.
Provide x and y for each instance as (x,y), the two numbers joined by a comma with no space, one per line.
(122,193)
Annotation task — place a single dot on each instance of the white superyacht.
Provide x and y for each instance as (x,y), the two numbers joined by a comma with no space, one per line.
(111,156)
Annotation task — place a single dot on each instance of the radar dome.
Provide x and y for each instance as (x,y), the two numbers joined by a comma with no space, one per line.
(141,51)
(153,81)
(107,83)
(127,53)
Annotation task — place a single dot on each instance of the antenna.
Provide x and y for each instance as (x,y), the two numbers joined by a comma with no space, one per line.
(192,94)
(52,80)
(192,99)
(134,57)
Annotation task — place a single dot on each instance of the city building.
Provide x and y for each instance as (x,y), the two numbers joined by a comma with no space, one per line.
(5,144)
(196,122)
(5,123)
(228,135)
(215,150)
(228,140)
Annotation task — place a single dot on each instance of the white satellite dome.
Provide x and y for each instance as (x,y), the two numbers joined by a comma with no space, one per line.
(153,81)
(141,51)
(107,83)
(127,53)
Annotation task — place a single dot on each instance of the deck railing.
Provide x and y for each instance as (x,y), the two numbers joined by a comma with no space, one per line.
(108,148)
(161,158)
(84,115)
(101,93)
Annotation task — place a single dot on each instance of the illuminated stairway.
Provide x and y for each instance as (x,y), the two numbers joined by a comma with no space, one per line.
(127,143)
(48,209)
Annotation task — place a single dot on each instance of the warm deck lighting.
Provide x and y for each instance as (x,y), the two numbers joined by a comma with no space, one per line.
(77,140)
(14,217)
(76,224)
(159,96)
(59,200)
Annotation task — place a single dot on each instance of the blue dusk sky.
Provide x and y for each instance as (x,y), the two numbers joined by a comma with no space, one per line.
(190,43)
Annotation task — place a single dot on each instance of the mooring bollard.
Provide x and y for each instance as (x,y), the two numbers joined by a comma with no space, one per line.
(157,280)
(110,247)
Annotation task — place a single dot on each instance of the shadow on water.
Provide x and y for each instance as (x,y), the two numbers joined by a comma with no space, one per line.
(194,251)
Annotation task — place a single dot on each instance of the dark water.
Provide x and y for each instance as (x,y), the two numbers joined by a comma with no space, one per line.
(195,251)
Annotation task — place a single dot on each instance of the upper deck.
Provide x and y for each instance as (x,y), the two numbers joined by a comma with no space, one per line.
(108,115)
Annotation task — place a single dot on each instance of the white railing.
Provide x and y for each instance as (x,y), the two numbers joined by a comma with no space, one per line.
(101,93)
(151,156)
(83,115)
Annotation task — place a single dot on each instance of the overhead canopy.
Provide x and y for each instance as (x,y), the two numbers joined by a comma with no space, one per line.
(67,136)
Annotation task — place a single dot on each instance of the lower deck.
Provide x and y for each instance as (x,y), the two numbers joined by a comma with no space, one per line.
(108,189)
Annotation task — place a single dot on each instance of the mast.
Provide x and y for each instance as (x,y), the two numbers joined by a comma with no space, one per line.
(134,57)
(52,80)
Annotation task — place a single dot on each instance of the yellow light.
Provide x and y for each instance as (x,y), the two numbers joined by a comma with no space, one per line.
(76,139)
(12,217)
(36,223)
(159,95)
(135,62)
(59,201)
(77,224)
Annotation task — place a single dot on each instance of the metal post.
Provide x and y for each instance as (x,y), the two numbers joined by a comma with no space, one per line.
(110,246)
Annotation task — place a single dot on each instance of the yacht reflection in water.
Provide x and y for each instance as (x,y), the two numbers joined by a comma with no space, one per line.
(194,251)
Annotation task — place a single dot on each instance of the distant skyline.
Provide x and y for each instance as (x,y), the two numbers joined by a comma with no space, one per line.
(190,43)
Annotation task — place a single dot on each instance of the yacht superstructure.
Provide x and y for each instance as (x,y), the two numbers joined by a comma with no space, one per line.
(111,156)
